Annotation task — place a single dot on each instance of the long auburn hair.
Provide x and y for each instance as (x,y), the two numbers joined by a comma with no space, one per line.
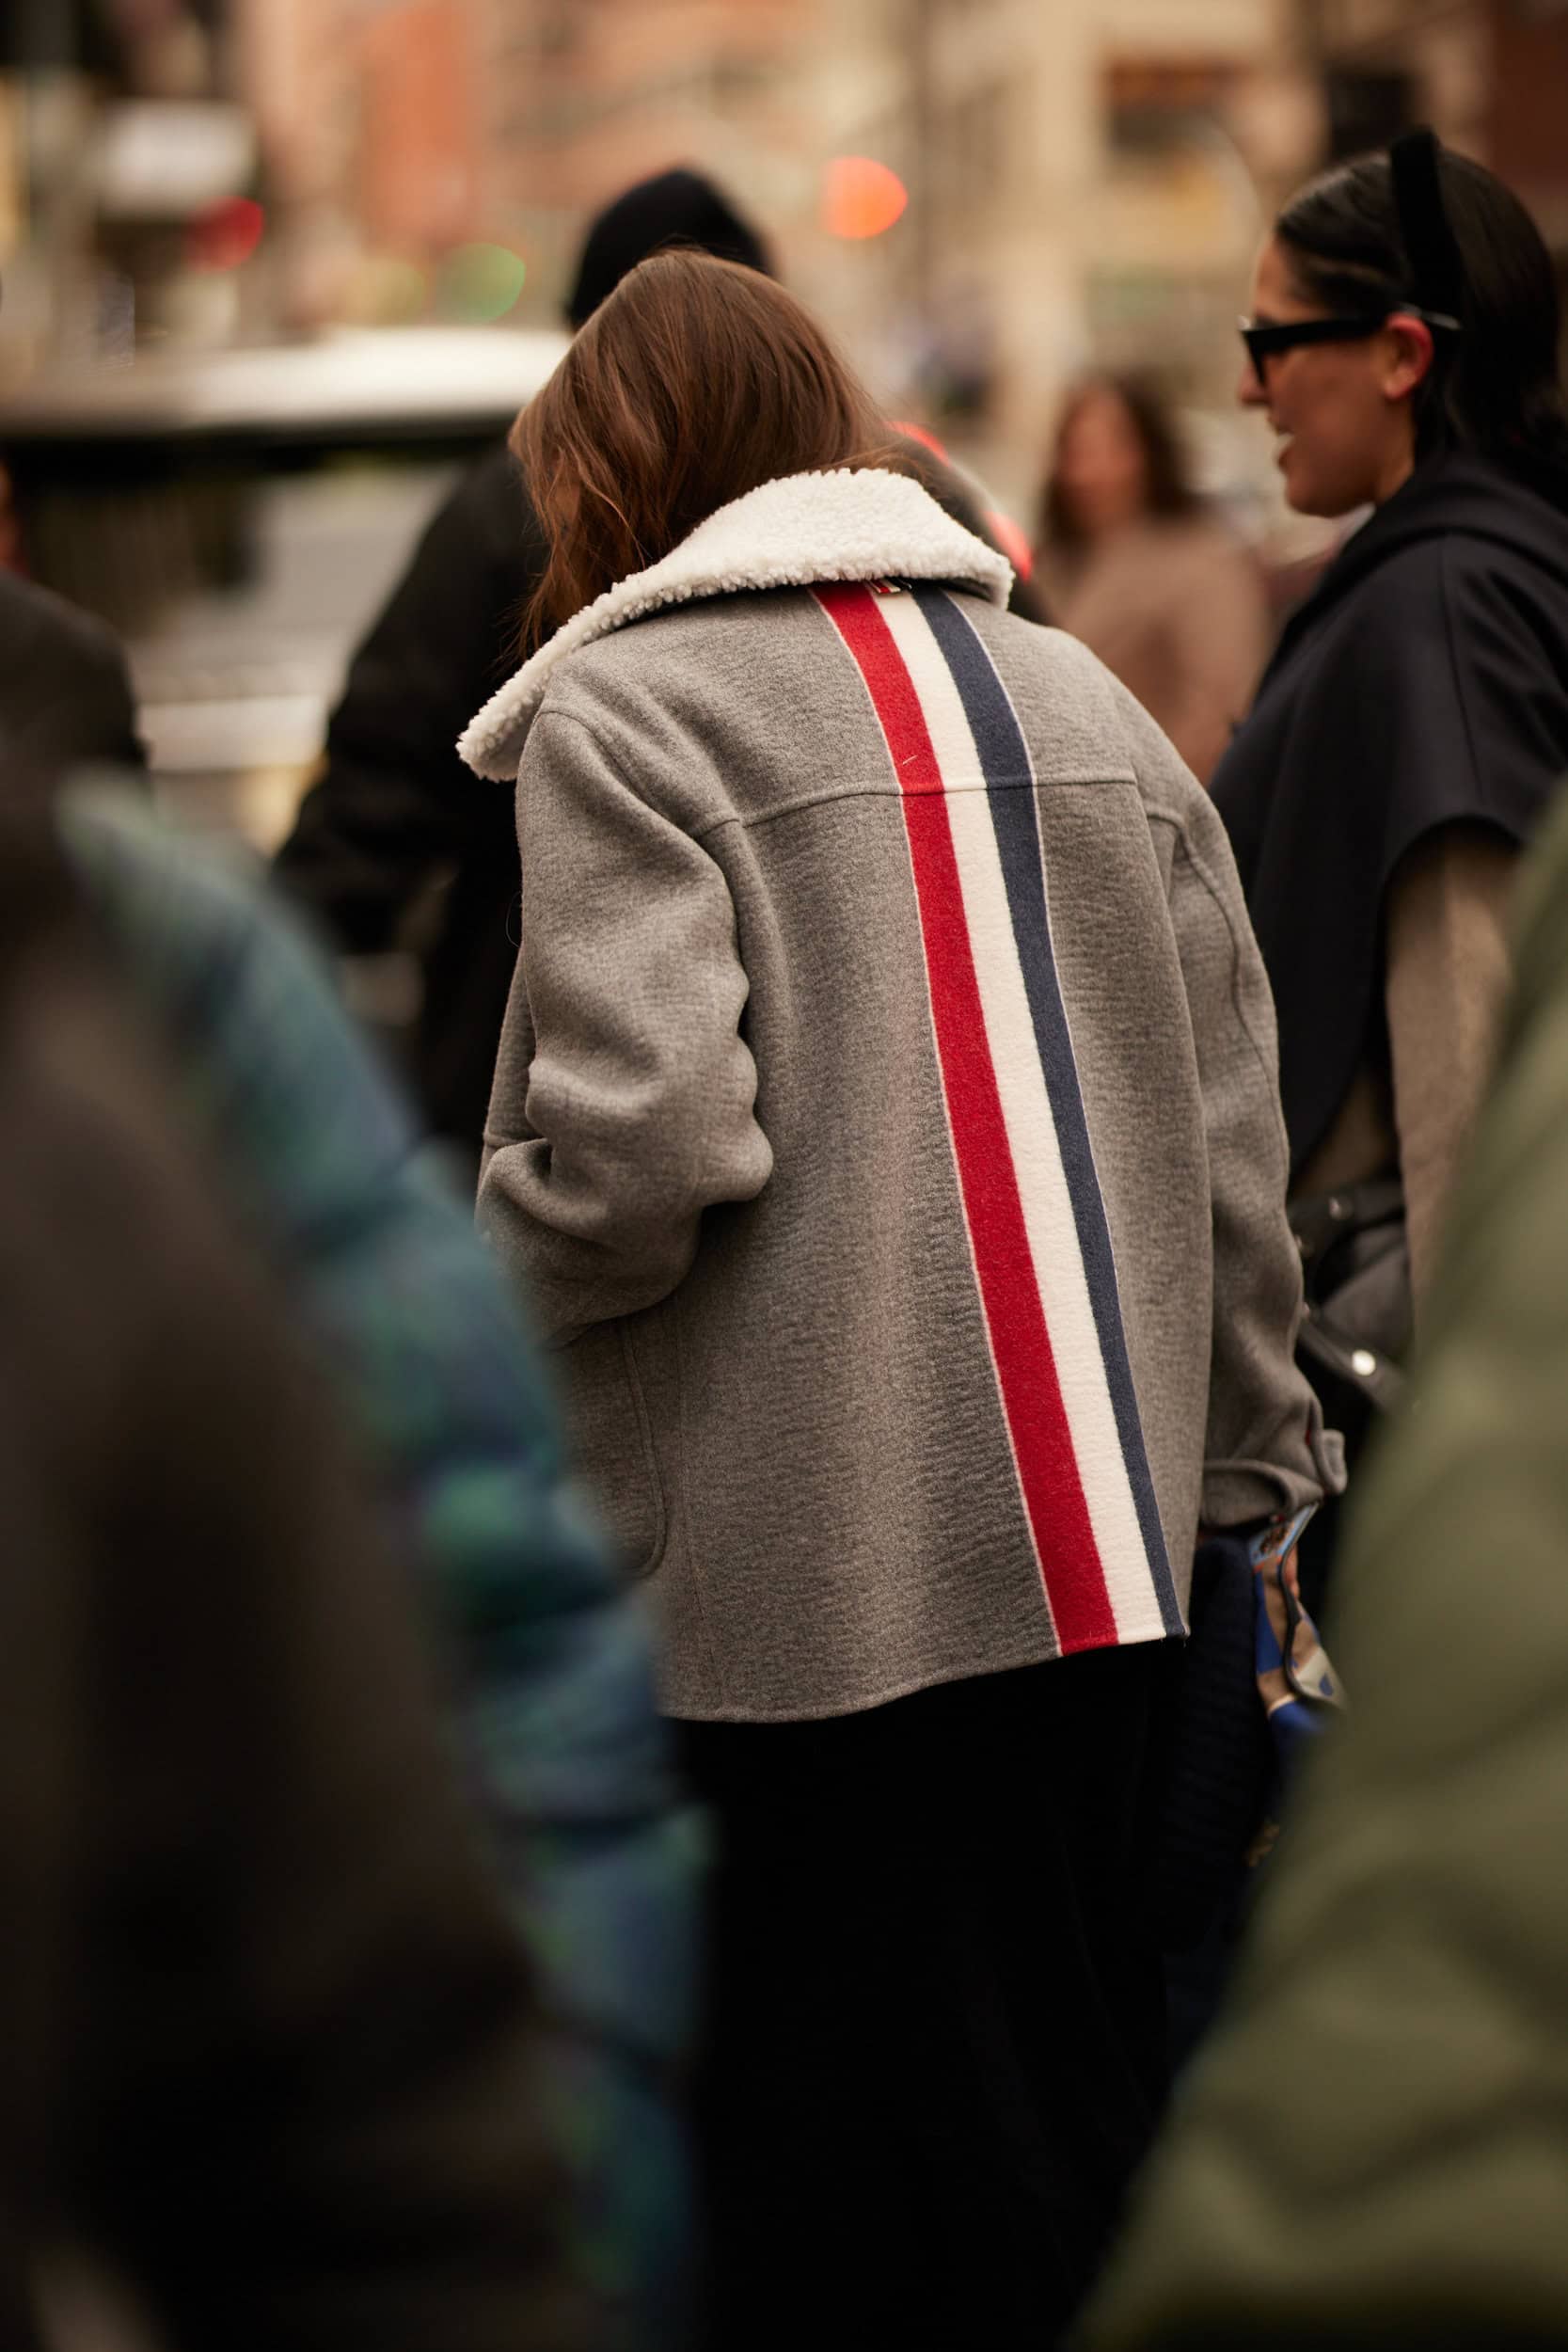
(696,381)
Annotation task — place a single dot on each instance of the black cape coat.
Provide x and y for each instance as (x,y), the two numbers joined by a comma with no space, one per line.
(1424,682)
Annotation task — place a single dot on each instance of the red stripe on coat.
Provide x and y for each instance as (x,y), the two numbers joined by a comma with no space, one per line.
(1071,1567)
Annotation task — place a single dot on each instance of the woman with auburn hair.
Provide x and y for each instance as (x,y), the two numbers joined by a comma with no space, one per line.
(885,1132)
(1137,566)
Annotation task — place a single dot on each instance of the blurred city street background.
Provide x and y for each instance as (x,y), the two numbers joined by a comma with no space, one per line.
(273,268)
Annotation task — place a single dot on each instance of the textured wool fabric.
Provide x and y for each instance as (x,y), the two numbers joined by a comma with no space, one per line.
(727,1150)
(853,525)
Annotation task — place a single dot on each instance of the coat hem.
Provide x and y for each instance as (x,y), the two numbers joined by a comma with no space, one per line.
(1032,1654)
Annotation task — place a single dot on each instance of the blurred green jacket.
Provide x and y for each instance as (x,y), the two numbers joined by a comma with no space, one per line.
(421,1340)
(1374,2148)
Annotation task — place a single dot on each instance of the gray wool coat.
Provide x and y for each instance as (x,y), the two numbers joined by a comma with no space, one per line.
(886,1128)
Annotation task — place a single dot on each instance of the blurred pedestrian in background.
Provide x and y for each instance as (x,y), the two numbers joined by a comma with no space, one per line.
(1132,562)
(396,811)
(918,1267)
(1413,725)
(273,2063)
(1371,2154)
(423,1352)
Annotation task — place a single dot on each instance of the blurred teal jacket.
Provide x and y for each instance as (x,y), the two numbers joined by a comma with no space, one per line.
(422,1337)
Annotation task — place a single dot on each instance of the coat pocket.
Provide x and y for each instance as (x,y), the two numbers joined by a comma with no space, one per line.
(611,1442)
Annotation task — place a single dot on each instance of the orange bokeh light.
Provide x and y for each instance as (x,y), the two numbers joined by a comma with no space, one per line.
(860,198)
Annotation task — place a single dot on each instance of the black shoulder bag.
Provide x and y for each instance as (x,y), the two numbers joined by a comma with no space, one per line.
(1355,1275)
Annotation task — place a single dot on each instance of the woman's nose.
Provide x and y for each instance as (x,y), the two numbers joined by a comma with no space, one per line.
(1249,391)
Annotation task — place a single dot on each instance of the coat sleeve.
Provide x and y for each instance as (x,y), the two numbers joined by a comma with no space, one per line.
(1266,1448)
(394,803)
(637,1109)
(1446,928)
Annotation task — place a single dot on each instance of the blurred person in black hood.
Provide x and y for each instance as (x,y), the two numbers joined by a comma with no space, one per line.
(1413,725)
(675,208)
(395,809)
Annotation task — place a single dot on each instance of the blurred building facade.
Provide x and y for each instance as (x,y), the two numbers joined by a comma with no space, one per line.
(401,131)
(1491,75)
(1086,179)
(1081,178)
(1087,182)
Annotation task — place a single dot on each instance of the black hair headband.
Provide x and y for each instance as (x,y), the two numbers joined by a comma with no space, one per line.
(1438,274)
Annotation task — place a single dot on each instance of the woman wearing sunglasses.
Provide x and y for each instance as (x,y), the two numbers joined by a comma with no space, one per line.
(1414,721)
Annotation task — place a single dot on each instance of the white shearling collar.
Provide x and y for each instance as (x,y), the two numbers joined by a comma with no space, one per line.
(857,524)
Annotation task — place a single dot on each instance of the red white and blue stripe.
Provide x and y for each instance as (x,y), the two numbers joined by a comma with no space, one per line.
(1032,1200)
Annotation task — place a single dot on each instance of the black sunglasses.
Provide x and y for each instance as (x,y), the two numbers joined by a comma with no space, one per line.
(1266,341)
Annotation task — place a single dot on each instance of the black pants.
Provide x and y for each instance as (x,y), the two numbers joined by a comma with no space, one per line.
(936,2045)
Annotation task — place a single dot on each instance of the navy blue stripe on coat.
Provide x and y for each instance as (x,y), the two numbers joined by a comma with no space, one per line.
(1009,778)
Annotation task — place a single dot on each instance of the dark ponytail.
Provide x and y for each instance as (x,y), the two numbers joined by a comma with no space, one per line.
(1494,389)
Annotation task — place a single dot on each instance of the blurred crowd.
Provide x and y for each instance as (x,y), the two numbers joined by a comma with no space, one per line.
(683,1762)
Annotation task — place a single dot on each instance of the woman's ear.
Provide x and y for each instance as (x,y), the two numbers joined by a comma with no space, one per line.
(1410,352)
